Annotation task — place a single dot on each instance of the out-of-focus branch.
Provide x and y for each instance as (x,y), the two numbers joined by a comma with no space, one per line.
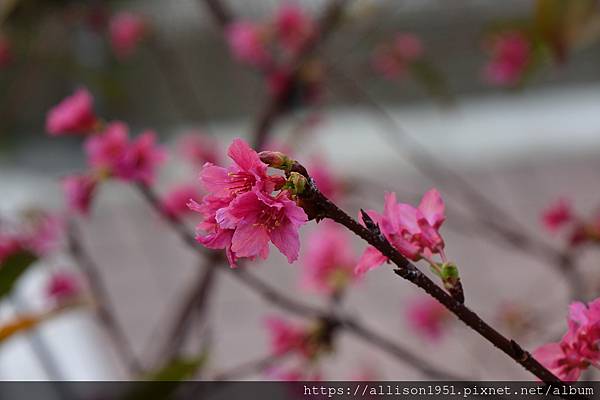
(220,12)
(104,309)
(282,300)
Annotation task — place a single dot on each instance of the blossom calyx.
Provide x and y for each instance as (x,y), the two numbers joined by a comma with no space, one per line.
(451,280)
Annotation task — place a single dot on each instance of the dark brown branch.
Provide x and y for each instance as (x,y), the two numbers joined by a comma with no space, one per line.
(220,12)
(104,309)
(282,300)
(320,207)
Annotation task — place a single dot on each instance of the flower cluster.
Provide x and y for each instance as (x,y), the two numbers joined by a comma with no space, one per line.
(427,317)
(393,60)
(246,208)
(511,54)
(579,347)
(329,261)
(560,215)
(126,30)
(110,152)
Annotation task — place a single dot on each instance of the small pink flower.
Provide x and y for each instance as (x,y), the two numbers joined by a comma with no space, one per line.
(414,232)
(427,316)
(6,55)
(105,151)
(408,46)
(79,192)
(208,232)
(199,148)
(578,348)
(175,202)
(285,336)
(246,172)
(73,115)
(247,44)
(557,215)
(141,159)
(126,31)
(510,57)
(258,218)
(63,286)
(293,27)
(330,259)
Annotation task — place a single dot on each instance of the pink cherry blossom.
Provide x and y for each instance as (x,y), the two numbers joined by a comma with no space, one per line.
(208,232)
(199,148)
(578,349)
(408,46)
(141,159)
(62,286)
(247,43)
(246,172)
(258,218)
(285,336)
(105,151)
(126,30)
(329,262)
(73,115)
(175,202)
(510,57)
(557,215)
(393,61)
(6,55)
(413,231)
(79,191)
(426,316)
(293,26)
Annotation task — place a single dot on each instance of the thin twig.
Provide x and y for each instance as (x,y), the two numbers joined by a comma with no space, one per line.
(104,309)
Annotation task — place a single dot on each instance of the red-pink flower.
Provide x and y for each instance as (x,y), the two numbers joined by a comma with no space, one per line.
(510,57)
(292,26)
(285,336)
(79,192)
(5,52)
(579,347)
(259,218)
(126,30)
(63,286)
(247,43)
(557,215)
(199,148)
(105,151)
(175,202)
(73,115)
(330,259)
(246,172)
(414,232)
(392,61)
(426,316)
(141,159)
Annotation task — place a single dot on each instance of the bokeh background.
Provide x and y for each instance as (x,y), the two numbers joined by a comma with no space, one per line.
(519,148)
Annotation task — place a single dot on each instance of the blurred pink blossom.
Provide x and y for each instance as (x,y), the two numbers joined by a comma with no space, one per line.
(293,26)
(142,158)
(285,336)
(6,54)
(557,215)
(105,151)
(392,61)
(126,31)
(62,286)
(9,245)
(175,202)
(73,115)
(247,43)
(199,148)
(510,57)
(79,192)
(426,316)
(413,231)
(44,233)
(329,262)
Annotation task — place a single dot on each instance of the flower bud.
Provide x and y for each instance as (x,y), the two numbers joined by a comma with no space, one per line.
(296,183)
(451,281)
(276,159)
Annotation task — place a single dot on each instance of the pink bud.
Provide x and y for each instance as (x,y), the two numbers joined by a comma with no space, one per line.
(126,30)
(73,115)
